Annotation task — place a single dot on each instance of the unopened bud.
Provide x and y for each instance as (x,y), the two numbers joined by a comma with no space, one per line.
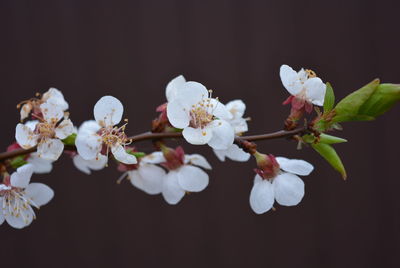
(267,166)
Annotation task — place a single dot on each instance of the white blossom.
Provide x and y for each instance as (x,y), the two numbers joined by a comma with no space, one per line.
(239,124)
(202,118)
(46,133)
(286,187)
(189,177)
(18,195)
(303,84)
(94,136)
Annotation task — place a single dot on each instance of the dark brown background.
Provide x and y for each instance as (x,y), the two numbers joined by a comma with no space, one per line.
(131,49)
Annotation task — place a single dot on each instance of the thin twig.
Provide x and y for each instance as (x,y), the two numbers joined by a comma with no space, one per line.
(174,135)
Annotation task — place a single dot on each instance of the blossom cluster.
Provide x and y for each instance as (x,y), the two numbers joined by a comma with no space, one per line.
(46,132)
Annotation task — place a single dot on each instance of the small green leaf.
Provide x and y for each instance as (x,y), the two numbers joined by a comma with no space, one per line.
(70,140)
(384,98)
(18,161)
(330,155)
(323,138)
(329,139)
(329,101)
(348,108)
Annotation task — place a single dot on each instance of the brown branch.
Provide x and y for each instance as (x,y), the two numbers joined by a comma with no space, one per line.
(174,135)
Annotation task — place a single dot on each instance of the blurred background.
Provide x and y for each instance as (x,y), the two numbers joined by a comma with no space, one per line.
(131,49)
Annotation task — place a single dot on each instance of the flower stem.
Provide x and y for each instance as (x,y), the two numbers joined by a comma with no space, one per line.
(174,135)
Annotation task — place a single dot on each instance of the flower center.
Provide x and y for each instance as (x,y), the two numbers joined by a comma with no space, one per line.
(16,204)
(201,113)
(45,130)
(114,135)
(310,73)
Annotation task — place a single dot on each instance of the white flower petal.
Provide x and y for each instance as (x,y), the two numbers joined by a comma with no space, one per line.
(86,166)
(197,160)
(25,110)
(222,135)
(40,165)
(25,137)
(31,124)
(89,127)
(191,93)
(172,87)
(88,145)
(39,193)
(234,153)
(22,176)
(151,177)
(239,125)
(219,110)
(315,90)
(197,136)
(261,195)
(295,166)
(290,80)
(289,189)
(64,129)
(171,190)
(55,96)
(21,220)
(108,111)
(2,219)
(192,179)
(51,112)
(178,114)
(122,156)
(236,108)
(154,158)
(50,149)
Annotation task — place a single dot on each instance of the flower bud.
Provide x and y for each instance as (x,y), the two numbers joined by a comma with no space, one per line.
(267,166)
(174,157)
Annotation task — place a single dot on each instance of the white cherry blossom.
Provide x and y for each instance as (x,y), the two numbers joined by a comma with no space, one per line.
(285,187)
(239,124)
(102,136)
(46,133)
(18,195)
(202,118)
(186,176)
(303,84)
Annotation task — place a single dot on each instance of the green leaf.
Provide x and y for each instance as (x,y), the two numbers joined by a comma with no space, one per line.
(348,108)
(18,161)
(351,118)
(330,155)
(323,138)
(329,101)
(70,140)
(329,139)
(384,98)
